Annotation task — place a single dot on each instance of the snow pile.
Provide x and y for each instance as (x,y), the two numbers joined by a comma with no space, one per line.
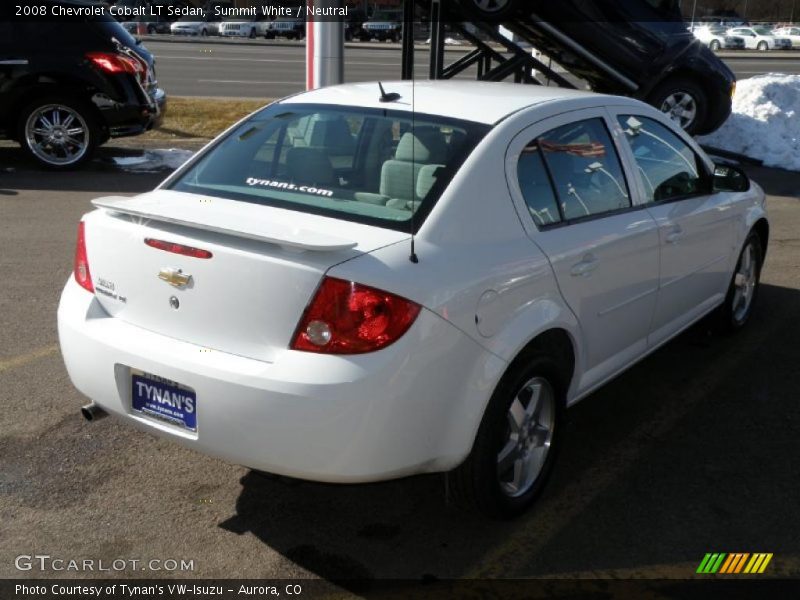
(765,123)
(154,160)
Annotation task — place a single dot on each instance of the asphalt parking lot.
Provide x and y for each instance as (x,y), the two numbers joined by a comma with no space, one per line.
(692,451)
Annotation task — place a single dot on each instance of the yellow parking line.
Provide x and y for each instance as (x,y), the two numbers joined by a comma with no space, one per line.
(23,359)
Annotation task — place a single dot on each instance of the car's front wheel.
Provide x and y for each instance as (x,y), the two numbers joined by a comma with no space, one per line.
(763,46)
(516,442)
(489,10)
(58,132)
(252,34)
(743,288)
(715,45)
(683,100)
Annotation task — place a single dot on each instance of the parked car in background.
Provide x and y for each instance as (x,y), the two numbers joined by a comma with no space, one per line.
(560,236)
(286,27)
(383,25)
(89,82)
(354,24)
(248,28)
(197,26)
(791,33)
(148,24)
(716,38)
(760,38)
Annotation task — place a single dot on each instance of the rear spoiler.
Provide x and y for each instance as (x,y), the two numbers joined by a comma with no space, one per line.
(221,216)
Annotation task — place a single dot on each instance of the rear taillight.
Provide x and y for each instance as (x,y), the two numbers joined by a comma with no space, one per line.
(113,63)
(82,274)
(350,318)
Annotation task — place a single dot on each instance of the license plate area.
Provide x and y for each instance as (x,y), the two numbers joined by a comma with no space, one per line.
(163,400)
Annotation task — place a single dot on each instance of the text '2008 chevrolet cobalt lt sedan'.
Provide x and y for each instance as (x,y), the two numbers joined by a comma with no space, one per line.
(269,305)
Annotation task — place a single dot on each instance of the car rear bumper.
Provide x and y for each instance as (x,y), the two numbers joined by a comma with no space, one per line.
(410,408)
(134,119)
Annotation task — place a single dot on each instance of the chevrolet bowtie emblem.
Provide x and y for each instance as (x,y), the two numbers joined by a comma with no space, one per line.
(174,277)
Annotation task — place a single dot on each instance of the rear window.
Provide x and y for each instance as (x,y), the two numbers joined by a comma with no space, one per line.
(372,166)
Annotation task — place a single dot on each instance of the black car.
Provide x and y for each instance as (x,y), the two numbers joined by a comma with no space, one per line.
(638,48)
(67,87)
(287,27)
(382,26)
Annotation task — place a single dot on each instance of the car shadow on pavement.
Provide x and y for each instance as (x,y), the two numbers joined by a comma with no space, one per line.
(688,452)
(776,182)
(101,174)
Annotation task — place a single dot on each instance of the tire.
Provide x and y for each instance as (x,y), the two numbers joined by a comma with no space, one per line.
(762,46)
(204,32)
(269,36)
(715,45)
(480,482)
(489,10)
(743,288)
(683,100)
(252,35)
(46,127)
(151,30)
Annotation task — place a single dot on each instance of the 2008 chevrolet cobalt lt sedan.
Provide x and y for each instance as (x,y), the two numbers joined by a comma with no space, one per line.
(361,282)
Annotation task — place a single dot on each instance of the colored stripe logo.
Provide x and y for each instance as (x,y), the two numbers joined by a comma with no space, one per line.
(734,563)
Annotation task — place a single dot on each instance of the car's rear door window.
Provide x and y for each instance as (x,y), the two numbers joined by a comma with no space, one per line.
(536,186)
(374,166)
(585,170)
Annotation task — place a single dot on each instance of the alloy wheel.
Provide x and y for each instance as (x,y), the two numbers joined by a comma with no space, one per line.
(57,134)
(529,434)
(490,6)
(744,282)
(681,108)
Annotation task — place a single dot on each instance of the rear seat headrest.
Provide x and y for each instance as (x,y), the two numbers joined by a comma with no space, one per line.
(424,145)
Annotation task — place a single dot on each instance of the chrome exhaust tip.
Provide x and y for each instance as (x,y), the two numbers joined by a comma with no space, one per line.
(92,412)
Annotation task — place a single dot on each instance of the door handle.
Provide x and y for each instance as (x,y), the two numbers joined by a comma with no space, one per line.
(585,267)
(675,235)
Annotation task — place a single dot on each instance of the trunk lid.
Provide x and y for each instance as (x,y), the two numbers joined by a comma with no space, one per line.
(248,297)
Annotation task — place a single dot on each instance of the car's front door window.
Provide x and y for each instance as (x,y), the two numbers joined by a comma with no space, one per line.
(669,168)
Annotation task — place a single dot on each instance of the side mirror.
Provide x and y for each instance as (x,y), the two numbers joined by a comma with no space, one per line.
(728,178)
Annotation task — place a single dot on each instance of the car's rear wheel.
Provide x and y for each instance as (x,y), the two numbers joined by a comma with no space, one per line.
(743,288)
(715,45)
(763,46)
(489,10)
(204,32)
(58,132)
(252,34)
(516,442)
(683,101)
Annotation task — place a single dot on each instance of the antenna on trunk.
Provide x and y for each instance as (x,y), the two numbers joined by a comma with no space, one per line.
(390,97)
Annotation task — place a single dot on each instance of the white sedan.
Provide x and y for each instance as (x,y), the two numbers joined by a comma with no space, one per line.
(760,38)
(791,33)
(361,283)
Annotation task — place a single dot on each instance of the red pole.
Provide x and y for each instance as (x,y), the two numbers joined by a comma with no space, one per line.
(310,83)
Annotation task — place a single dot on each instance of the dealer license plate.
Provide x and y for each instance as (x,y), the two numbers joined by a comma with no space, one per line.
(163,399)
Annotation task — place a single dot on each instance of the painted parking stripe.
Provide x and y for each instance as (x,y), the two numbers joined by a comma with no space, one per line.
(24,359)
